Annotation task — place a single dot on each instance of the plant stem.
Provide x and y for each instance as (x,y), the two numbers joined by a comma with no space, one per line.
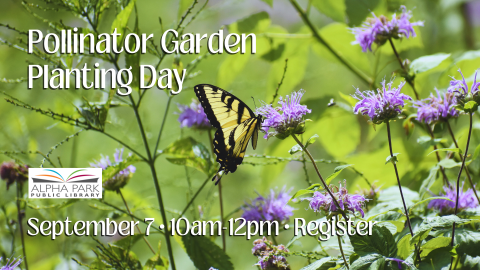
(458,180)
(317,36)
(195,196)
(151,163)
(341,251)
(221,213)
(281,81)
(163,124)
(131,216)
(220,197)
(20,225)
(462,157)
(398,178)
(320,176)
(410,82)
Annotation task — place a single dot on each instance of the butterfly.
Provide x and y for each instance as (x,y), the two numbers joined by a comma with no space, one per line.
(235,123)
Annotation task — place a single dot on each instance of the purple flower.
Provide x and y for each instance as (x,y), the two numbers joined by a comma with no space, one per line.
(379,29)
(211,268)
(284,120)
(323,201)
(120,179)
(270,256)
(270,208)
(434,108)
(466,200)
(11,172)
(382,106)
(460,90)
(193,116)
(11,265)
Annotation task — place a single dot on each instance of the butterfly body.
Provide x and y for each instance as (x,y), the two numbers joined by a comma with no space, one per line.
(235,122)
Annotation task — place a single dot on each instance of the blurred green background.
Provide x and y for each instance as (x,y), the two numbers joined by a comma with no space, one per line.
(450,27)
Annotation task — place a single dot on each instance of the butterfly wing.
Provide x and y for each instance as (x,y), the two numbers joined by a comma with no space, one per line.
(235,123)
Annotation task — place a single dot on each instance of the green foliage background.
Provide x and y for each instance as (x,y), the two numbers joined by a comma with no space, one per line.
(281,34)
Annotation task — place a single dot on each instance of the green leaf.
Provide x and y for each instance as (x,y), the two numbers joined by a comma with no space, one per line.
(256,23)
(380,242)
(189,152)
(449,163)
(205,254)
(427,142)
(404,247)
(320,264)
(467,240)
(295,149)
(420,235)
(428,182)
(121,21)
(369,262)
(456,150)
(336,172)
(335,9)
(476,153)
(428,62)
(310,189)
(471,263)
(115,168)
(471,106)
(435,243)
(393,159)
(311,140)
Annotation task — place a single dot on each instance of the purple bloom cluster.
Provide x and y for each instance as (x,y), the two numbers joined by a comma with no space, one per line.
(382,106)
(270,208)
(193,116)
(466,200)
(11,172)
(379,29)
(460,90)
(270,256)
(285,120)
(11,265)
(120,179)
(323,201)
(435,109)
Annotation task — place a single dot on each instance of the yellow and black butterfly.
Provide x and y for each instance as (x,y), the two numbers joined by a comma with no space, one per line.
(235,123)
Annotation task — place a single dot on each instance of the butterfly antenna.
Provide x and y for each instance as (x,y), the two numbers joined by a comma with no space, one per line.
(254,102)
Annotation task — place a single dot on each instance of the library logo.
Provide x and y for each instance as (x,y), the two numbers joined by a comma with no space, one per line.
(65,183)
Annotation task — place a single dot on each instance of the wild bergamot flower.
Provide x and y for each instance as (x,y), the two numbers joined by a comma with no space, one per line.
(11,172)
(193,116)
(463,94)
(379,29)
(269,208)
(286,119)
(386,104)
(270,256)
(435,109)
(465,200)
(323,201)
(120,179)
